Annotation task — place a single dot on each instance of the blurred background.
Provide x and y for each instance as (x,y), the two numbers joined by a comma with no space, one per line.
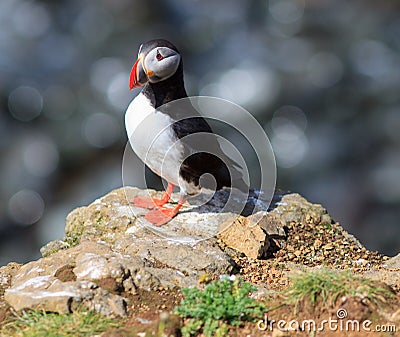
(322,77)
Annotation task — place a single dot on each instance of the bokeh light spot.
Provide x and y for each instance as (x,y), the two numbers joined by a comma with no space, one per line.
(289,114)
(289,141)
(94,24)
(372,58)
(31,19)
(286,11)
(293,54)
(59,102)
(118,93)
(58,51)
(385,179)
(101,130)
(26,207)
(41,157)
(254,86)
(104,69)
(324,70)
(25,103)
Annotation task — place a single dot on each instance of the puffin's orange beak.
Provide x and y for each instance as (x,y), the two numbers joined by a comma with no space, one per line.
(138,76)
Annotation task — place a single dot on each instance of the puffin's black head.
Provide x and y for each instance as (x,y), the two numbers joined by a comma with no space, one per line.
(157,61)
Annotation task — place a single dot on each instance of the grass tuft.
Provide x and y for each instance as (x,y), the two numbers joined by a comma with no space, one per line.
(41,324)
(325,286)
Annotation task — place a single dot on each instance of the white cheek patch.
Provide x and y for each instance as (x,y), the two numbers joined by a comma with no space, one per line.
(163,68)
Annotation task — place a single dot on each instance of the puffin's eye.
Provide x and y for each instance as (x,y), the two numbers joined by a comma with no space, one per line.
(159,57)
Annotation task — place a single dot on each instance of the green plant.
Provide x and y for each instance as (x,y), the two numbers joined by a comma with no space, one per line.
(221,302)
(74,233)
(327,285)
(41,324)
(327,225)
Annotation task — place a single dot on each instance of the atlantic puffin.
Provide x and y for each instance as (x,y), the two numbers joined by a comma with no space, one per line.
(159,136)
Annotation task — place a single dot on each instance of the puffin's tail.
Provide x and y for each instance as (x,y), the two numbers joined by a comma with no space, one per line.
(231,177)
(241,185)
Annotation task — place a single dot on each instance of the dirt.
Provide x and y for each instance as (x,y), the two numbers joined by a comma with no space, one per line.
(345,318)
(110,284)
(66,273)
(148,305)
(5,313)
(323,243)
(309,245)
(147,311)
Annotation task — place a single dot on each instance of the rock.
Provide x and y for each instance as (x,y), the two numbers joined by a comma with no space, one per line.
(6,273)
(328,246)
(253,235)
(262,293)
(50,294)
(250,241)
(393,262)
(109,249)
(317,243)
(351,238)
(271,223)
(280,333)
(388,272)
(390,277)
(38,285)
(293,208)
(53,247)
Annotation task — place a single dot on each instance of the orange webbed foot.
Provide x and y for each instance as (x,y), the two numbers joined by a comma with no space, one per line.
(162,215)
(151,203)
(147,202)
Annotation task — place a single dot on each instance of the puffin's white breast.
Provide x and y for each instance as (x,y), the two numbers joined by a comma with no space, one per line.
(153,140)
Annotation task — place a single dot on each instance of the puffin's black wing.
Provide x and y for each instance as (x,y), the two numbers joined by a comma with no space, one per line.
(198,164)
(203,154)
